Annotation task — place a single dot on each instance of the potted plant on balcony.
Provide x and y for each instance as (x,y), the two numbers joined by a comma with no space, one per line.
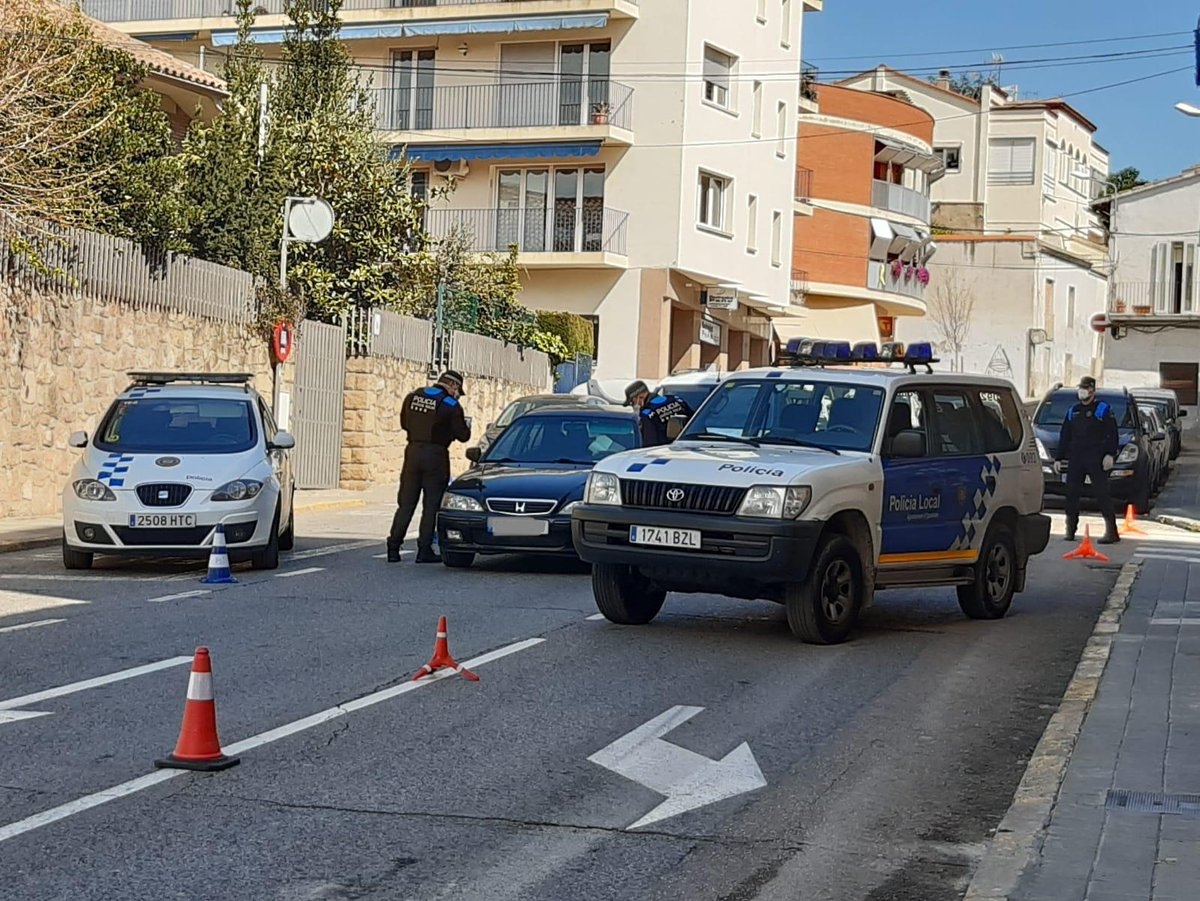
(923,276)
(1120,305)
(1142,309)
(600,113)
(897,270)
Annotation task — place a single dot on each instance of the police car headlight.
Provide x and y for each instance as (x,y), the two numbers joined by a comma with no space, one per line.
(1128,454)
(238,490)
(91,490)
(461,503)
(603,488)
(772,502)
(795,501)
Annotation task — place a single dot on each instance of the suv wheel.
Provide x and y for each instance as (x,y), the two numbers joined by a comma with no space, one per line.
(991,594)
(73,559)
(823,609)
(268,557)
(624,596)
(1141,501)
(458,559)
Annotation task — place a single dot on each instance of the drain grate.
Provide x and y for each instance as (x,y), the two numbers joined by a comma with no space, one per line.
(1154,803)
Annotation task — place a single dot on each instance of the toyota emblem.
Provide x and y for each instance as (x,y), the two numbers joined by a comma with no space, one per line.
(675,495)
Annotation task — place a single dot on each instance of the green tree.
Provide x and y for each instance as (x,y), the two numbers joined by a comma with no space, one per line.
(1125,179)
(971,84)
(576,333)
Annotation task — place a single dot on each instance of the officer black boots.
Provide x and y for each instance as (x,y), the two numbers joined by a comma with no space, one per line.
(428,555)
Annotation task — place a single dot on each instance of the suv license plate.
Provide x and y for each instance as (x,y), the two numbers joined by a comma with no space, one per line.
(162,520)
(655,535)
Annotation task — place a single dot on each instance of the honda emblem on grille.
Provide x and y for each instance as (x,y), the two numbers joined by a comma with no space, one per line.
(519,507)
(675,495)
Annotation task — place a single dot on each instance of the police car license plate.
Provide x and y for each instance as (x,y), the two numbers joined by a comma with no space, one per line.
(162,520)
(517,526)
(660,537)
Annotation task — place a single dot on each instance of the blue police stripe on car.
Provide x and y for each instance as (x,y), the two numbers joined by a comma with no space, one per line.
(113,469)
(142,392)
(638,467)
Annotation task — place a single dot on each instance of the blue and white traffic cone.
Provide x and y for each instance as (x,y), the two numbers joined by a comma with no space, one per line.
(218,561)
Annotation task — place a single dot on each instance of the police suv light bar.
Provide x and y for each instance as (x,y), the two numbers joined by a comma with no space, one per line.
(201,378)
(815,352)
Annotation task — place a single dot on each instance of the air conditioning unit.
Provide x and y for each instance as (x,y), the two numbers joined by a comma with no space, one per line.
(452,168)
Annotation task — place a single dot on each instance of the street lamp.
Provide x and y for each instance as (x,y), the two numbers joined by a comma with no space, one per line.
(1188,109)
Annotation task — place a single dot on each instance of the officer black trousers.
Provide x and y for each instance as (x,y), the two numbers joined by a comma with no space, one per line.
(426,472)
(1076,472)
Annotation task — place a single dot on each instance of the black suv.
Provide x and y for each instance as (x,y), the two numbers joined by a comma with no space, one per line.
(1132,478)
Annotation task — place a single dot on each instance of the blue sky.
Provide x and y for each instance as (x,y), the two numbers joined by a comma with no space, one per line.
(1137,122)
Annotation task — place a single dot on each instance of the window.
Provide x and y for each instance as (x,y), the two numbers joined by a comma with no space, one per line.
(713,189)
(1002,425)
(782,129)
(951,157)
(718,71)
(1048,309)
(583,82)
(906,415)
(1173,276)
(785,23)
(776,238)
(1181,378)
(179,425)
(756,124)
(1070,307)
(955,431)
(1010,161)
(550,209)
(412,99)
(579,438)
(418,184)
(752,224)
(761,14)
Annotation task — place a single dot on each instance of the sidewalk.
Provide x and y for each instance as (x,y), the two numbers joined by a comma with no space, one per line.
(1124,823)
(18,534)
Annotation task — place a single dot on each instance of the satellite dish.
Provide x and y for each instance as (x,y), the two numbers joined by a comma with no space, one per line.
(310,220)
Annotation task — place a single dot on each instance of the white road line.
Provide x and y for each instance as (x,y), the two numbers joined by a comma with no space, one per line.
(79,805)
(331,549)
(1175,621)
(1179,558)
(301,572)
(41,622)
(98,577)
(595,616)
(38,697)
(200,592)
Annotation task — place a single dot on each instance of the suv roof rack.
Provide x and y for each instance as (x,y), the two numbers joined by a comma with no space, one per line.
(196,378)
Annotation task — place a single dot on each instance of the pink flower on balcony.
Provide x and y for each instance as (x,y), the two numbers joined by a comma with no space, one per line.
(908,272)
(897,268)
(923,276)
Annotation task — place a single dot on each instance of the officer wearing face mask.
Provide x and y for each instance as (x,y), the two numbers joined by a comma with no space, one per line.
(1089,444)
(654,412)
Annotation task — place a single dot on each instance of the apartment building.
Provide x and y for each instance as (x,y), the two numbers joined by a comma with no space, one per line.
(863,246)
(1154,306)
(640,155)
(1022,263)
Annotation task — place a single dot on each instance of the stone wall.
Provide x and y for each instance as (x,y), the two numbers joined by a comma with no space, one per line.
(372,441)
(64,357)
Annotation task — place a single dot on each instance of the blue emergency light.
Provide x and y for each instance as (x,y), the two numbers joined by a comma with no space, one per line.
(836,352)
(816,352)
(864,352)
(919,353)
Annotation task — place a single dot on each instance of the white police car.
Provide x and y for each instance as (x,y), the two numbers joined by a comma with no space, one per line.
(817,484)
(176,454)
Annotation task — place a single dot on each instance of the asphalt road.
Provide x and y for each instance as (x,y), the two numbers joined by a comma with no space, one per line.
(887,760)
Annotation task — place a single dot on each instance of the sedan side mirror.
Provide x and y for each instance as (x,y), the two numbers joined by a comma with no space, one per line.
(474,454)
(78,439)
(283,441)
(909,444)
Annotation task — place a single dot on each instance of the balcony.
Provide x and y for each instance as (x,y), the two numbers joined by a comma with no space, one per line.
(899,199)
(566,237)
(1167,302)
(880,277)
(799,287)
(808,87)
(221,12)
(803,194)
(532,110)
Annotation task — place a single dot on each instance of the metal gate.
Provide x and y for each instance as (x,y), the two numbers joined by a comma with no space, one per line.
(317,410)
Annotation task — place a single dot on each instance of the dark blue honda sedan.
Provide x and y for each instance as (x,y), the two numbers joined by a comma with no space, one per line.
(518,496)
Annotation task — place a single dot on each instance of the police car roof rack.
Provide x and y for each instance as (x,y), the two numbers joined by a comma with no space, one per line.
(141,379)
(811,352)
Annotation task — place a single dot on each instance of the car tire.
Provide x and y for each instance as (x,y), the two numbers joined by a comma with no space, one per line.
(73,559)
(287,540)
(458,559)
(1141,501)
(624,596)
(991,593)
(824,607)
(268,557)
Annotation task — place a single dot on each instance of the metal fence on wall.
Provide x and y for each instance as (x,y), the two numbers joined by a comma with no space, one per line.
(115,269)
(383,333)
(478,355)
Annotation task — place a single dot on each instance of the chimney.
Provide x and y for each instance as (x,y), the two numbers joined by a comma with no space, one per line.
(943,79)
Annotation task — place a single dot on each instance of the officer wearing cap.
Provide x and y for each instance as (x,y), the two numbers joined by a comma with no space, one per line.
(1089,444)
(433,418)
(654,412)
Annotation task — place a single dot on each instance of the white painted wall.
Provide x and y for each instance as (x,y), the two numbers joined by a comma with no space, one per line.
(1133,361)
(1166,211)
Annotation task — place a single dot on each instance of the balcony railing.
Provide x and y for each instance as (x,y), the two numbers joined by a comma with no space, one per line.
(149,10)
(808,81)
(803,184)
(1173,298)
(525,104)
(899,199)
(566,228)
(880,278)
(799,286)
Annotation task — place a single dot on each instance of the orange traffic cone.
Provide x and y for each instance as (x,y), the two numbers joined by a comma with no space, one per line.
(442,659)
(1130,526)
(198,747)
(1086,550)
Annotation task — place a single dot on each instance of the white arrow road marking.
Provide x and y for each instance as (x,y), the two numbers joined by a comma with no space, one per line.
(687,779)
(37,697)
(198,593)
(33,625)
(11,716)
(14,602)
(300,572)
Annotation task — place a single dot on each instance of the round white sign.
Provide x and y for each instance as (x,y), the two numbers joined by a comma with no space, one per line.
(310,220)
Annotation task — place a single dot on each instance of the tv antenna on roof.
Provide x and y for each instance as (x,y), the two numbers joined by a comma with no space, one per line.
(998,62)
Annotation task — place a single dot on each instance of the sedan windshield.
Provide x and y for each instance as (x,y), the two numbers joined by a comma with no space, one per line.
(183,425)
(566,438)
(831,415)
(519,408)
(1053,412)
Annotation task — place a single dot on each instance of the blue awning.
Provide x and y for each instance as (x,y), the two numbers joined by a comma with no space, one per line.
(514,25)
(430,153)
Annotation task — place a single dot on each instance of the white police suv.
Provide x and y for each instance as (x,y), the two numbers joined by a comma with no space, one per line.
(819,483)
(176,454)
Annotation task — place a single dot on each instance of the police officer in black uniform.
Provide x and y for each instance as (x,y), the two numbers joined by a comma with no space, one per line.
(1089,443)
(654,412)
(433,418)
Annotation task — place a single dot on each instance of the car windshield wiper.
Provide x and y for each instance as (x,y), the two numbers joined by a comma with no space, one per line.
(796,442)
(716,436)
(577,462)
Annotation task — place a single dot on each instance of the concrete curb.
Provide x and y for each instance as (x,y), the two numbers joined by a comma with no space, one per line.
(325,506)
(1178,522)
(1018,837)
(28,544)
